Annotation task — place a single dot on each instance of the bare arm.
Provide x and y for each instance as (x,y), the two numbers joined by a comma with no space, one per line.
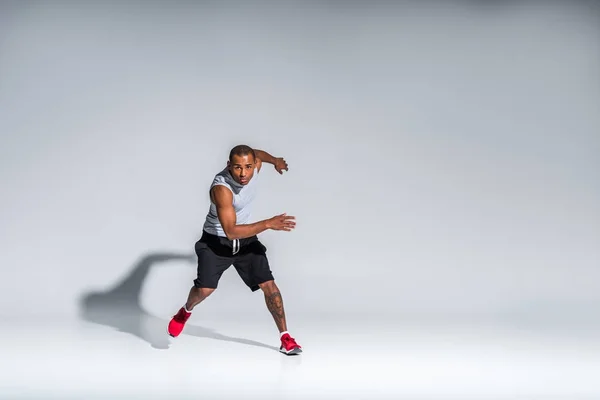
(223,199)
(278,162)
(264,156)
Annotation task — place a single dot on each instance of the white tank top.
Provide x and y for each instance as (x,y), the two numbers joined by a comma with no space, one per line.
(243,195)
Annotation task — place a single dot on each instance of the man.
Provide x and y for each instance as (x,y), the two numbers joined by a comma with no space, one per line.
(229,238)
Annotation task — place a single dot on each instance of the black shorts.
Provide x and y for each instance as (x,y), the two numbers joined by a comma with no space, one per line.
(216,254)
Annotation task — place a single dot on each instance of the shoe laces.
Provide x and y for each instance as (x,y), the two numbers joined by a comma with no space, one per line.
(181,316)
(289,340)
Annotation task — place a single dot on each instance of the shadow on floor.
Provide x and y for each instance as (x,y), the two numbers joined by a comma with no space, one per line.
(120,308)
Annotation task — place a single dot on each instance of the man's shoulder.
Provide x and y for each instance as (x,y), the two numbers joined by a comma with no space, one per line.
(221,177)
(220,193)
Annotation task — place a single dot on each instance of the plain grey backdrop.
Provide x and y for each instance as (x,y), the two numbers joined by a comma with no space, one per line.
(443,156)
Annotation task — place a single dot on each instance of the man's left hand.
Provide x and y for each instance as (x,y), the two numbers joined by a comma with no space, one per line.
(280,165)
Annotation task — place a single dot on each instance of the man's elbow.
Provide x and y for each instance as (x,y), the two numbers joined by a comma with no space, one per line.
(230,232)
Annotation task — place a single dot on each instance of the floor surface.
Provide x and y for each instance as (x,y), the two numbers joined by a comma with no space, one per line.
(107,355)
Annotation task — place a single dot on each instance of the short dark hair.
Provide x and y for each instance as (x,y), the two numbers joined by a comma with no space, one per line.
(241,150)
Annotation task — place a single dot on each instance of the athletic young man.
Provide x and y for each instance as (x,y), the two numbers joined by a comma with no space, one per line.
(229,238)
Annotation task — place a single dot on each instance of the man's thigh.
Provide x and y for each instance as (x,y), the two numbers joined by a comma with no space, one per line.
(210,266)
(253,266)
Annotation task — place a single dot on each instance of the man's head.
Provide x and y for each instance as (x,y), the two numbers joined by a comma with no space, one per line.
(241,163)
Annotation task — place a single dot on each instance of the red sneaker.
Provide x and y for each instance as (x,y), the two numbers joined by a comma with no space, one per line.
(178,322)
(289,345)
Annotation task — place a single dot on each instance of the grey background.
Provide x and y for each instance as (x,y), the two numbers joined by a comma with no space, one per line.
(443,156)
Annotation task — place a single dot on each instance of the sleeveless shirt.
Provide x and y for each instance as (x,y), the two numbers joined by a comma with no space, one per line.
(243,195)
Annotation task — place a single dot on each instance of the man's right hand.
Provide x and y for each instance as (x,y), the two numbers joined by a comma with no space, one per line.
(222,197)
(282,222)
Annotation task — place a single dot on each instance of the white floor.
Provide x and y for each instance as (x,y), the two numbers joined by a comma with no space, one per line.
(237,358)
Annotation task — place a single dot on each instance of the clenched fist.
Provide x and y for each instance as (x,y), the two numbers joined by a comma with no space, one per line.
(280,165)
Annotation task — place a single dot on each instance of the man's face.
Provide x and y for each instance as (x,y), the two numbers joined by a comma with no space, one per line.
(241,168)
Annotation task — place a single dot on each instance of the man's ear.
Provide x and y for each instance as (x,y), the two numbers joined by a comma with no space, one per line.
(258,163)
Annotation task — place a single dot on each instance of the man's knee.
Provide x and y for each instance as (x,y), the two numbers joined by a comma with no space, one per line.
(268,286)
(203,291)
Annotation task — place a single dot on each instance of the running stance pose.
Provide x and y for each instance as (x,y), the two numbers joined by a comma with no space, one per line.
(229,238)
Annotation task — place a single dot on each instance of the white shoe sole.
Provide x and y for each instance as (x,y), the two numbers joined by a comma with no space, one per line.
(292,352)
